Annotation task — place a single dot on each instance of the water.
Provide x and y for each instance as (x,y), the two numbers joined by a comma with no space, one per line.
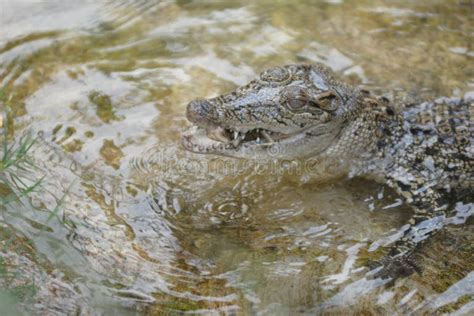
(145,227)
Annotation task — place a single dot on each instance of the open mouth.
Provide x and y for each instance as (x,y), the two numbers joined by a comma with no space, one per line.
(200,139)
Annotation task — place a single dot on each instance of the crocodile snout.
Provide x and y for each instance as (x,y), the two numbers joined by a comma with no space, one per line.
(200,112)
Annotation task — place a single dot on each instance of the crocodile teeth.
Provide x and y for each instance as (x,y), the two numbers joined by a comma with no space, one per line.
(267,137)
(218,134)
(236,142)
(235,138)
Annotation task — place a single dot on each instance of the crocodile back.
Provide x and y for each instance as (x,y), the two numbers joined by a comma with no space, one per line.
(443,138)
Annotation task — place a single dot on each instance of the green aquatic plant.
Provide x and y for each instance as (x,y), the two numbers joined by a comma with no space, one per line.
(15,161)
(18,180)
(15,165)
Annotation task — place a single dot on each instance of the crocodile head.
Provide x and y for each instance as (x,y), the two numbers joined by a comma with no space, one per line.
(293,111)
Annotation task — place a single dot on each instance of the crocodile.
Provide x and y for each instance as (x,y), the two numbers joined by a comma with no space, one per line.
(423,151)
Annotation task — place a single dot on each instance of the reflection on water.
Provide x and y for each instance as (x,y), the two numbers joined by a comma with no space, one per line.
(149,227)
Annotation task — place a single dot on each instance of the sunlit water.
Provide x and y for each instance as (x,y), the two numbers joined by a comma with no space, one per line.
(145,227)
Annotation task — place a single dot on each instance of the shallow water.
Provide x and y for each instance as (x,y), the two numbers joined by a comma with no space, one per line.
(146,227)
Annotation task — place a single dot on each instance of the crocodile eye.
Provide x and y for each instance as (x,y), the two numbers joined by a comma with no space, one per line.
(278,74)
(296,104)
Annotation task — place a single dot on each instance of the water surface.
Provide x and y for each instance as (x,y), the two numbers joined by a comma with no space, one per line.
(145,227)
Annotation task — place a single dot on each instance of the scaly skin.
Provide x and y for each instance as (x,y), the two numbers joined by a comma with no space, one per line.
(300,111)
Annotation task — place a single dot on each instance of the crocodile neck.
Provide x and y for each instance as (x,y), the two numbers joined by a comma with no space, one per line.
(369,139)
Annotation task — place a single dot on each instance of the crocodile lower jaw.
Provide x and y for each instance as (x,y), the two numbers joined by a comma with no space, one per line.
(207,140)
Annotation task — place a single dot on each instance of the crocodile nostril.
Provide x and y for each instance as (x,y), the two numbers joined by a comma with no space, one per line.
(199,111)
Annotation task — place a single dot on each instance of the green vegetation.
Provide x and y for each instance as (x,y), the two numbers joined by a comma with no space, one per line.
(14,161)
(16,183)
